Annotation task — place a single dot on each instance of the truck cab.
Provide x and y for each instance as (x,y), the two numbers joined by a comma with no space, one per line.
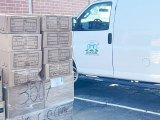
(118,39)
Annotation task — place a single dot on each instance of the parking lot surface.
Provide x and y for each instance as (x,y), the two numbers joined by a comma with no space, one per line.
(95,100)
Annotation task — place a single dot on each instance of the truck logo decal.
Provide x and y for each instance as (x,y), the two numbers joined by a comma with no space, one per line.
(92,48)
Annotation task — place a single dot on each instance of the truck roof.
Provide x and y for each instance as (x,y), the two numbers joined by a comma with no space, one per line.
(98,1)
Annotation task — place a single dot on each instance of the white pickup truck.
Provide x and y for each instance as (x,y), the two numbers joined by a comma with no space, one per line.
(118,39)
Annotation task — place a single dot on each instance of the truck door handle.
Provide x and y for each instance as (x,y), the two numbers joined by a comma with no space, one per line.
(109,38)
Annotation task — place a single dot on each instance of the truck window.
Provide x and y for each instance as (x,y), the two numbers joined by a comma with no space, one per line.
(96,17)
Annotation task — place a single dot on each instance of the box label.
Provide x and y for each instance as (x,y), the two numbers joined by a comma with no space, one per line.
(64,54)
(30,24)
(24,42)
(52,39)
(26,59)
(18,24)
(57,82)
(51,22)
(55,55)
(62,39)
(57,23)
(59,69)
(64,22)
(26,76)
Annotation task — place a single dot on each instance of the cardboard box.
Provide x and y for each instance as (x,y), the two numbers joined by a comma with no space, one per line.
(52,23)
(1,92)
(24,99)
(18,77)
(59,90)
(52,55)
(2,110)
(20,42)
(20,60)
(57,39)
(59,69)
(59,112)
(19,24)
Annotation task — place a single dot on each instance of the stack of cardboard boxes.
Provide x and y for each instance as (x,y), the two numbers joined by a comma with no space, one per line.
(57,61)
(21,61)
(36,86)
(2,103)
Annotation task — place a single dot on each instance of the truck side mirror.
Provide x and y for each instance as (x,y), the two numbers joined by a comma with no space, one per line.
(74,23)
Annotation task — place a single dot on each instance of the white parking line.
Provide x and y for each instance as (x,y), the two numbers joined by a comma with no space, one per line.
(120,106)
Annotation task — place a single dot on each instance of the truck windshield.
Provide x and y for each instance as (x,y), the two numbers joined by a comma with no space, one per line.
(96,17)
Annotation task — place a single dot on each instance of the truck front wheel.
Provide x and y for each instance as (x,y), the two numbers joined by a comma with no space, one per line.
(76,74)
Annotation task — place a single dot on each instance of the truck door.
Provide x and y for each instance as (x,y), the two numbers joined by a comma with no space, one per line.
(92,40)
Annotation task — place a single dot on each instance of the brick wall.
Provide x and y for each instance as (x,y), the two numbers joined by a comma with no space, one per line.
(64,7)
(13,6)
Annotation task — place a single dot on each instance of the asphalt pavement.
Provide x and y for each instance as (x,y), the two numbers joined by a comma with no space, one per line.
(96,100)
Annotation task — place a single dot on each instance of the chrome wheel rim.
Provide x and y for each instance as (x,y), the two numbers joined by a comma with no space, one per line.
(75,74)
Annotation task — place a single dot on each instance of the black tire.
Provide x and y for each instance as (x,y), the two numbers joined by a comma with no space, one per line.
(76,74)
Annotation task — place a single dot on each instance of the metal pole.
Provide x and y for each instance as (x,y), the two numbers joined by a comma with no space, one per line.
(30,6)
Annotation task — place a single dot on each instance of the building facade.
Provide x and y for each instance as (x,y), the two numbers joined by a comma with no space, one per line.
(62,7)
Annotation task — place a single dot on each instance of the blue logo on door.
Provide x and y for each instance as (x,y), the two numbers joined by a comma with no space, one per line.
(92,48)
